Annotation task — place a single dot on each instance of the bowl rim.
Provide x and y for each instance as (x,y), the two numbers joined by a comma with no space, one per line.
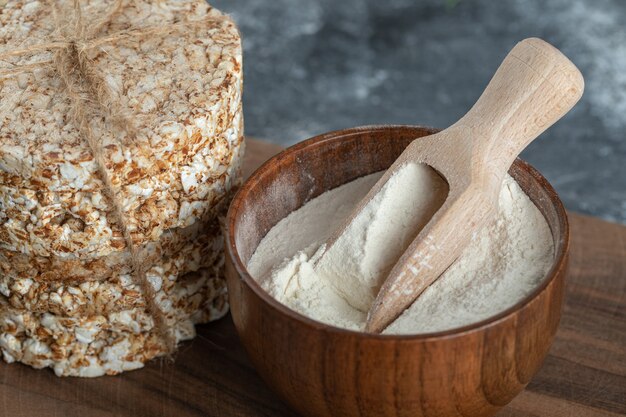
(558,267)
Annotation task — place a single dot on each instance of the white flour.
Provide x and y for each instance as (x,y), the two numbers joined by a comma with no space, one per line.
(503,264)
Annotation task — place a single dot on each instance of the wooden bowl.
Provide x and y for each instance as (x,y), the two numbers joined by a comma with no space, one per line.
(321,370)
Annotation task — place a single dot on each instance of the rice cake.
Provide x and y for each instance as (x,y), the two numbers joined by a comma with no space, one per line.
(116,293)
(80,224)
(71,268)
(112,343)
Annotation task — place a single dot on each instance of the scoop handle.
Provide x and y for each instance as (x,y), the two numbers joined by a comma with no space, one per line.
(533,88)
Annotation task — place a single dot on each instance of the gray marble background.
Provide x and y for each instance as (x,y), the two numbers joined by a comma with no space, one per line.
(315,66)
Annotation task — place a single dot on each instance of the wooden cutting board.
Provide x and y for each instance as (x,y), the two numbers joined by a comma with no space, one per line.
(584,374)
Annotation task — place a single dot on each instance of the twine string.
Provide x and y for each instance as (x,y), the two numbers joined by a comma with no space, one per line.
(89,96)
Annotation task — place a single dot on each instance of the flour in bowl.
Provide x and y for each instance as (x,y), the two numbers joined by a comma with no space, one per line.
(503,264)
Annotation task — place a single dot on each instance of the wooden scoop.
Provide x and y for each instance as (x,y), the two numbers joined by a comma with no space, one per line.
(533,88)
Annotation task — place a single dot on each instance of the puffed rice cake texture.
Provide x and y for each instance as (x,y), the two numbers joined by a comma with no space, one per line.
(67,300)
(75,298)
(108,344)
(80,267)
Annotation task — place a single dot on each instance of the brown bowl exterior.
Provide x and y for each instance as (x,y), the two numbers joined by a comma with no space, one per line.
(324,371)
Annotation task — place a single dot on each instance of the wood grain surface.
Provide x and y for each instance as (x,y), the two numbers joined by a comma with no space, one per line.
(584,374)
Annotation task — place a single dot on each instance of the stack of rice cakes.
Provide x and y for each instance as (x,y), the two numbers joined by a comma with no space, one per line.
(67,297)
